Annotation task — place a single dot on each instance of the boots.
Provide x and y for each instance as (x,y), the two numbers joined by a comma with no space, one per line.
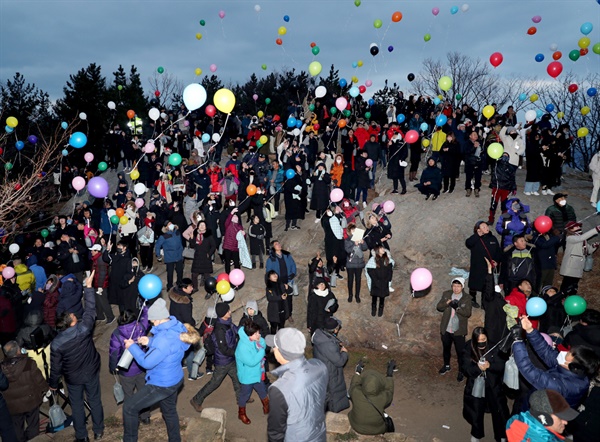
(468,192)
(476,193)
(350,298)
(357,299)
(242,415)
(265,403)
(380,312)
(373,310)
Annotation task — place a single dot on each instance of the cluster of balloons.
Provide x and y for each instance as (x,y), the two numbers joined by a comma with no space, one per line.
(224,284)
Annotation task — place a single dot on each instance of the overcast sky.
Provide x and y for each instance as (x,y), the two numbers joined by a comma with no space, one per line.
(48,40)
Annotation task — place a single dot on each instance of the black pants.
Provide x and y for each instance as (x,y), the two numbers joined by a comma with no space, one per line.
(472,171)
(171,267)
(92,391)
(103,310)
(230,255)
(27,425)
(449,183)
(195,279)
(402,182)
(221,371)
(147,256)
(374,303)
(292,221)
(569,285)
(428,190)
(354,280)
(459,345)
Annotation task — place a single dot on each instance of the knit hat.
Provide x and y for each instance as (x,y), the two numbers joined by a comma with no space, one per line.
(158,310)
(330,323)
(253,305)
(546,402)
(558,196)
(460,280)
(289,341)
(221,309)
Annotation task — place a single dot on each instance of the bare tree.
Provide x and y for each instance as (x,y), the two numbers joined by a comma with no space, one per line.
(171,89)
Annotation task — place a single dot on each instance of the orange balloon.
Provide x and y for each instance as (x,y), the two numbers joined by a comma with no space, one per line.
(532,30)
(279,41)
(130,114)
(557,55)
(396,16)
(251,189)
(342,124)
(119,212)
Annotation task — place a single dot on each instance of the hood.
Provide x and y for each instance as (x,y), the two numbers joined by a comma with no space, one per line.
(190,335)
(321,337)
(34,318)
(271,284)
(67,277)
(21,268)
(179,297)
(372,383)
(53,280)
(524,208)
(32,260)
(13,367)
(253,305)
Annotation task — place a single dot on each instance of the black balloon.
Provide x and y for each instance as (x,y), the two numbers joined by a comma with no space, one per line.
(295,86)
(411,77)
(210,284)
(154,102)
(374,50)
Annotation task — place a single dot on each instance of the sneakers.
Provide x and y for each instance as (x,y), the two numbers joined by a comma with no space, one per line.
(209,372)
(390,289)
(535,193)
(395,191)
(445,369)
(340,277)
(460,377)
(476,193)
(295,228)
(549,192)
(200,374)
(364,204)
(403,192)
(544,192)
(527,193)
(434,197)
(427,197)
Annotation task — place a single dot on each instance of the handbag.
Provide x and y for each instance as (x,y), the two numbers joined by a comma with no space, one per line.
(387,420)
(479,387)
(188,252)
(511,374)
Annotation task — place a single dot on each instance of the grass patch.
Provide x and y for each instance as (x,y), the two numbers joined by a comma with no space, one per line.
(351,435)
(112,422)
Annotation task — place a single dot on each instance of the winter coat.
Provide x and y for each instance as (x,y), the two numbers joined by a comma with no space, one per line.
(450,157)
(293,191)
(257,318)
(257,233)
(134,330)
(337,171)
(586,426)
(171,245)
(519,300)
(495,318)
(588,335)
(560,216)
(203,253)
(120,264)
(73,353)
(249,358)
(66,258)
(69,299)
(231,229)
(181,306)
(145,236)
(555,313)
(379,389)
(463,312)
(51,301)
(326,348)
(574,258)
(25,278)
(290,264)
(277,307)
(162,361)
(535,163)
(524,427)
(38,271)
(130,228)
(101,272)
(432,174)
(514,147)
(511,223)
(8,320)
(545,251)
(354,253)
(224,338)
(570,385)
(380,280)
(503,175)
(315,311)
(481,247)
(32,321)
(398,152)
(26,386)
(320,191)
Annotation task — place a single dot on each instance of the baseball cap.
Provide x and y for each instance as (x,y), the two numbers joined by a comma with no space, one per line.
(550,402)
(289,341)
(96,247)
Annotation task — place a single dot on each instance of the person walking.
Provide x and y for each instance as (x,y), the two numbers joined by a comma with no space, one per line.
(381,276)
(171,245)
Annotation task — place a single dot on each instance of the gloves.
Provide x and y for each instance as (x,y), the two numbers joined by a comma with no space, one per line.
(454,304)
(296,197)
(298,188)
(360,367)
(390,368)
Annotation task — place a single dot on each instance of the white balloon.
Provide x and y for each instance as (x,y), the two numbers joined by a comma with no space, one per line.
(194,96)
(296,132)
(163,116)
(228,297)
(530,115)
(83,116)
(112,105)
(216,138)
(320,91)
(14,248)
(257,8)
(553,47)
(465,7)
(111,212)
(139,188)
(154,113)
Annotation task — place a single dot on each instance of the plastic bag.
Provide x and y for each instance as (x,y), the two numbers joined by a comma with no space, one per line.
(479,387)
(511,374)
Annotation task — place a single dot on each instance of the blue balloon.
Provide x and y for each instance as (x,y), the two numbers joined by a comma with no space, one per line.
(65,152)
(78,140)
(343,82)
(539,58)
(19,145)
(286,18)
(150,286)
(291,122)
(64,125)
(354,91)
(536,307)
(390,48)
(453,10)
(586,28)
(424,127)
(205,138)
(441,120)
(436,101)
(523,97)
(539,113)
(400,118)
(298,124)
(592,91)
(598,203)
(550,108)
(371,102)
(354,64)
(8,129)
(290,173)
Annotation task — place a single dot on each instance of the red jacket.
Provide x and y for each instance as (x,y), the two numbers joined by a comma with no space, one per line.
(518,299)
(101,269)
(215,176)
(253,136)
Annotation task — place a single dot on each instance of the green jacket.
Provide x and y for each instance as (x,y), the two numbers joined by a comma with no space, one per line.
(558,216)
(364,418)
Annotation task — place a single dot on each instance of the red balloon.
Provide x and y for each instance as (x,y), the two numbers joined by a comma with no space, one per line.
(532,30)
(157,93)
(573,88)
(1,151)
(543,224)
(210,110)
(17,186)
(313,44)
(583,51)
(279,41)
(197,133)
(496,59)
(557,55)
(276,118)
(412,136)
(223,277)
(362,89)
(554,69)
(316,126)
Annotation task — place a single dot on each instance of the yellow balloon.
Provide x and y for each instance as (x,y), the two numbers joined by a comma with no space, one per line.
(488,111)
(534,98)
(264,139)
(260,114)
(282,30)
(315,68)
(560,115)
(223,287)
(441,97)
(584,42)
(135,174)
(198,36)
(12,122)
(198,71)
(224,100)
(124,220)
(585,110)
(425,142)
(354,79)
(582,132)
(360,63)
(445,83)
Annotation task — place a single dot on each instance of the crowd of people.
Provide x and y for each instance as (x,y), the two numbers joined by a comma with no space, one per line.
(85,267)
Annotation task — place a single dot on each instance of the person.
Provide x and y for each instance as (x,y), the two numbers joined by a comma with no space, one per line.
(297,397)
(224,338)
(71,255)
(450,158)
(73,356)
(231,250)
(456,309)
(545,421)
(257,233)
(595,172)
(145,238)
(330,350)
(250,362)
(252,314)
(164,378)
(322,304)
(502,183)
(181,302)
(519,262)
(518,297)
(560,212)
(481,360)
(380,276)
(577,248)
(170,243)
(7,429)
(587,332)
(483,246)
(513,222)
(277,293)
(282,262)
(355,262)
(334,223)
(204,244)
(120,264)
(431,180)
(371,393)
(493,304)
(26,389)
(398,153)
(103,310)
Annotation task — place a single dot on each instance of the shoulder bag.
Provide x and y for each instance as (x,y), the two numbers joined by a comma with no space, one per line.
(387,420)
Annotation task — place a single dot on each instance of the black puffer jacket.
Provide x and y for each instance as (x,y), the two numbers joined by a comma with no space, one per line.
(326,348)
(503,175)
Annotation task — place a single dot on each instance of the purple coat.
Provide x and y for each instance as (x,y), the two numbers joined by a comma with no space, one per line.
(117,344)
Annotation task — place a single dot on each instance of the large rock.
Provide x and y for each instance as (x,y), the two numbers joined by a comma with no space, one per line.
(217,415)
(205,430)
(337,423)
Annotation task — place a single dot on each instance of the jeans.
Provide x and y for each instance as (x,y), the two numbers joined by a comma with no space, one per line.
(189,359)
(472,171)
(363,191)
(531,187)
(92,392)
(246,392)
(354,275)
(133,384)
(459,345)
(149,395)
(177,267)
(217,379)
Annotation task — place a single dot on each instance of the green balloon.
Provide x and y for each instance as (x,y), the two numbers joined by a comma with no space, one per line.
(311,107)
(259,144)
(596,48)
(458,96)
(574,55)
(316,50)
(120,87)
(575,305)
(367,115)
(44,233)
(202,22)
(102,166)
(175,159)
(427,37)
(8,166)
(333,110)
(347,113)
(378,23)
(357,3)
(114,219)
(160,69)
(268,100)
(264,67)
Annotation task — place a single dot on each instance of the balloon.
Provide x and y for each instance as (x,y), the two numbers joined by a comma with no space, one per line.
(65,152)
(575,305)
(198,36)
(154,113)
(12,122)
(120,212)
(88,157)
(263,67)
(257,8)
(585,110)
(251,189)
(205,138)
(315,68)
(369,162)
(554,69)
(210,110)
(264,139)
(237,277)
(123,220)
(371,102)
(213,67)
(435,11)
(222,277)
(268,100)
(14,248)
(453,10)
(19,145)
(194,96)
(539,113)
(592,92)
(596,48)
(8,129)
(98,187)
(282,30)
(120,87)
(557,55)
(495,150)
(536,307)
(424,127)
(223,287)
(222,14)
(139,202)
(8,272)
(83,116)
(210,284)
(290,173)
(354,92)
(149,147)
(396,16)
(582,132)
(78,183)
(320,91)
(135,174)
(390,48)
(548,339)
(44,233)
(530,115)
(420,279)
(362,89)
(534,98)
(367,115)
(425,142)
(357,3)
(496,59)
(279,41)
(549,107)
(522,97)
(400,118)
(427,37)
(583,42)
(175,159)
(336,195)
(286,18)
(341,103)
(532,30)
(583,52)
(412,136)
(459,97)
(354,79)
(296,132)
(228,297)
(198,71)
(536,19)
(291,122)
(574,55)
(377,23)
(573,88)
(488,111)
(543,224)
(445,83)
(139,189)
(539,58)
(224,100)
(436,101)
(150,286)
(78,140)
(389,206)
(8,166)
(441,120)
(374,49)
(586,28)
(130,114)
(114,219)
(553,47)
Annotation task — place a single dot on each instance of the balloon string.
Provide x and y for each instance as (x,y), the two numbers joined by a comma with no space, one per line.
(137,320)
(169,127)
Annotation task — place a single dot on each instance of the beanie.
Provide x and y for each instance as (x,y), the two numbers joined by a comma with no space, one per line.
(221,308)
(158,310)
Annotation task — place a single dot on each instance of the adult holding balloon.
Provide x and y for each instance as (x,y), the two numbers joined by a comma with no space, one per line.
(119,260)
(577,248)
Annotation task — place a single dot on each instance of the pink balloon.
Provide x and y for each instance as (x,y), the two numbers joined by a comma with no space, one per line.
(369,162)
(368,83)
(420,279)
(139,202)
(222,14)
(89,157)
(98,187)
(336,195)
(255,97)
(149,148)
(547,338)
(236,277)
(341,103)
(389,206)
(411,136)
(213,67)
(8,272)
(186,123)
(435,11)
(78,183)
(536,19)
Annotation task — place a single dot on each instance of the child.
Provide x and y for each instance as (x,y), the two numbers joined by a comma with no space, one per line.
(257,234)
(206,329)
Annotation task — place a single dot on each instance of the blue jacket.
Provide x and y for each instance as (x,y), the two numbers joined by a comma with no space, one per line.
(249,356)
(105,224)
(38,272)
(277,180)
(162,361)
(511,223)
(273,264)
(571,386)
(172,246)
(535,431)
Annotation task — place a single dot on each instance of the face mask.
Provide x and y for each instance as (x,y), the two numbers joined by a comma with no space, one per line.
(516,207)
(514,136)
(120,250)
(562,203)
(171,227)
(48,285)
(338,161)
(482,345)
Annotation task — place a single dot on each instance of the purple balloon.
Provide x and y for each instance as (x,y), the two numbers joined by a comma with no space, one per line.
(32,139)
(390,48)
(98,187)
